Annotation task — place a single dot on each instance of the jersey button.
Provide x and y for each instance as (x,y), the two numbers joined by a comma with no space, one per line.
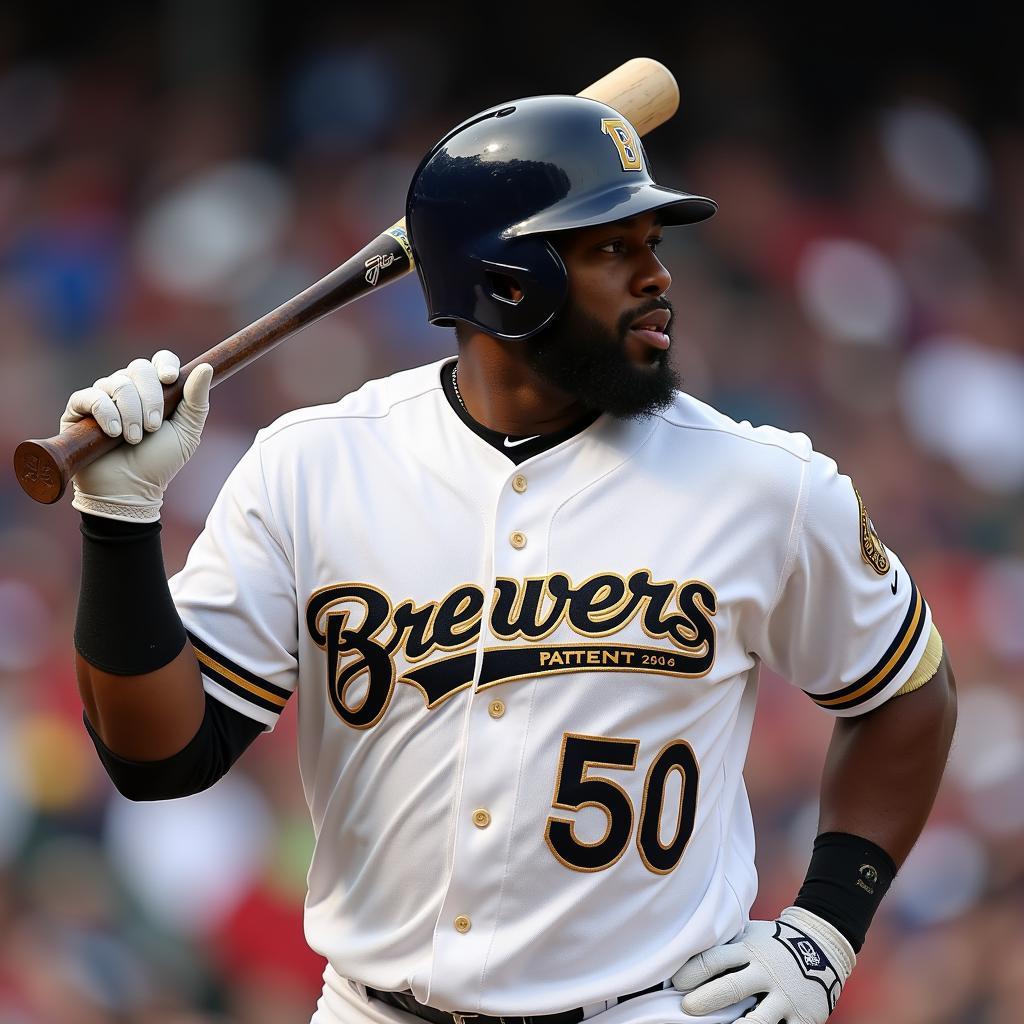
(518,540)
(496,708)
(463,924)
(481,817)
(519,483)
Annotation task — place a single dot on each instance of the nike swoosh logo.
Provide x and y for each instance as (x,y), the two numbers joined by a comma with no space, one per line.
(895,581)
(509,443)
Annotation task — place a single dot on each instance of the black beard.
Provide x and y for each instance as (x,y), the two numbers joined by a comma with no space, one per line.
(580,356)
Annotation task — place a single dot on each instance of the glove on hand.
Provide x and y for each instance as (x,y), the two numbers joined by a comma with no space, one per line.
(129,482)
(799,962)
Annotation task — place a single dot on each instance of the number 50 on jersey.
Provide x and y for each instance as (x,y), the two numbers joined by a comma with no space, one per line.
(576,788)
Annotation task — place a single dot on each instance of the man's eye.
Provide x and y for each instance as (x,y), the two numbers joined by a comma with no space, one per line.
(619,246)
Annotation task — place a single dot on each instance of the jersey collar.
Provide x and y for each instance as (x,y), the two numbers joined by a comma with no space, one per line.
(516,448)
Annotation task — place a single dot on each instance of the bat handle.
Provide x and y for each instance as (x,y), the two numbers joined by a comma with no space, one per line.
(45,466)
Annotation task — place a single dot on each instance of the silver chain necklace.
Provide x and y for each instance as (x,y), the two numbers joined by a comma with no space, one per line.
(455,384)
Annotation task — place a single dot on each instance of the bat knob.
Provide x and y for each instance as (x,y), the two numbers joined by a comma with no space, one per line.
(38,472)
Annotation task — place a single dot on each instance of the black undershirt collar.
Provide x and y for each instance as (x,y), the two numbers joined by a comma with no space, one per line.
(515,448)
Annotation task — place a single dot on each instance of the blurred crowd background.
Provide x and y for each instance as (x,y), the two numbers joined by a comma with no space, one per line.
(171,171)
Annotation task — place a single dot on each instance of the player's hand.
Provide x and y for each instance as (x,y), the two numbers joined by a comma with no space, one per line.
(129,482)
(798,963)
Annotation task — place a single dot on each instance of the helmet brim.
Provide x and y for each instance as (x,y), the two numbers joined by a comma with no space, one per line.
(609,205)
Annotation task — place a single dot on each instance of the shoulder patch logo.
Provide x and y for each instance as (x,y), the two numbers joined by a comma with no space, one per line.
(621,133)
(872,550)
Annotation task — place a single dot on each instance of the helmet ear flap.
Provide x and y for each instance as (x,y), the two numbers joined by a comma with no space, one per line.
(518,296)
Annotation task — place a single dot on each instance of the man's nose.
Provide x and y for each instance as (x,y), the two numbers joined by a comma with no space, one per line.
(651,279)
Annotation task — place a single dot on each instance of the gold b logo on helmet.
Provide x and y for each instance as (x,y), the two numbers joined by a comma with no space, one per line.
(625,141)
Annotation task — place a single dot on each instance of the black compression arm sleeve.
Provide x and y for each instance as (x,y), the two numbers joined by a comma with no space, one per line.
(127,624)
(220,741)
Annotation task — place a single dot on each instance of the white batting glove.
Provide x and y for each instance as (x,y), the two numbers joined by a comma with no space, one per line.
(799,962)
(129,482)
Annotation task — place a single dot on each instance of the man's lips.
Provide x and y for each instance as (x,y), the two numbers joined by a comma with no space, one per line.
(656,320)
(650,327)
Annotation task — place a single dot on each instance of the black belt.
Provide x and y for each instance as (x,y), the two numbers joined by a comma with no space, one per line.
(405,1001)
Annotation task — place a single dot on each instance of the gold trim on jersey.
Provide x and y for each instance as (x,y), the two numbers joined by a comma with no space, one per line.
(887,667)
(206,660)
(435,702)
(223,671)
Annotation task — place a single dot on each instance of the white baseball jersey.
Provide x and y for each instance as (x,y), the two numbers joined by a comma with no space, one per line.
(525,692)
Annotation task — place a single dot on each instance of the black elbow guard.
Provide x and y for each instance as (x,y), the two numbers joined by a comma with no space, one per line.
(222,737)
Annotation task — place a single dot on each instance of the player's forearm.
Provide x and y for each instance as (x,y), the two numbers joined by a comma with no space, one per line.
(883,769)
(880,779)
(137,672)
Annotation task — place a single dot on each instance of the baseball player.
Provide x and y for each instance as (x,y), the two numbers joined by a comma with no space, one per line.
(521,597)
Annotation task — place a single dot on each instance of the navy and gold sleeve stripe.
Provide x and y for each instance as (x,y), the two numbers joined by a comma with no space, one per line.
(238,680)
(887,667)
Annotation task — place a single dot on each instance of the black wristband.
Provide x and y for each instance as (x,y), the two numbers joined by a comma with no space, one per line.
(845,883)
(127,624)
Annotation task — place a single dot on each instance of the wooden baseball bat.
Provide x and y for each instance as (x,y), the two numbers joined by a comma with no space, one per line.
(642,90)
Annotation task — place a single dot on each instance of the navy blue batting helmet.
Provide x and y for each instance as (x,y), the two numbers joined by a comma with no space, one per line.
(483,200)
